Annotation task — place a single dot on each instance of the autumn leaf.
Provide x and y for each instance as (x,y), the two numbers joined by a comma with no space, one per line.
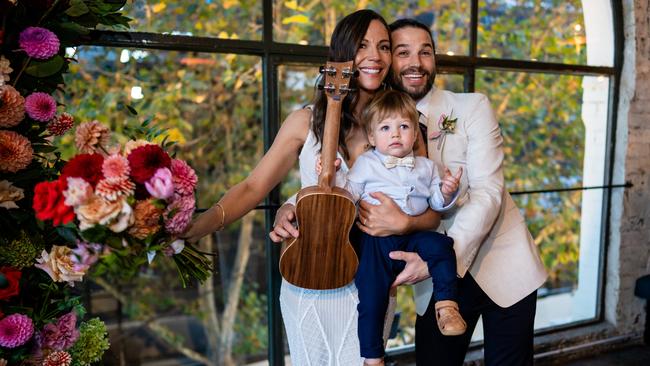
(296,19)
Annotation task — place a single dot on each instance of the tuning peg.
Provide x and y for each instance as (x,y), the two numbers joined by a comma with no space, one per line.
(344,89)
(347,73)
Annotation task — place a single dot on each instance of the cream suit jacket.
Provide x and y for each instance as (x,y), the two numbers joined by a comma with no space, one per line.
(491,239)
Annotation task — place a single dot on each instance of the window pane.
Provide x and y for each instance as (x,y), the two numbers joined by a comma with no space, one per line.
(313,22)
(211,106)
(554,129)
(547,30)
(223,18)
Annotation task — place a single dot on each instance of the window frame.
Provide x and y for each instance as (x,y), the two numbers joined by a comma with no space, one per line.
(274,54)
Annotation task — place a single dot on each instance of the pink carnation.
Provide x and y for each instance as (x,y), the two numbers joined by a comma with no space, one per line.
(160,185)
(61,124)
(15,330)
(183,176)
(61,335)
(39,43)
(179,214)
(116,167)
(40,106)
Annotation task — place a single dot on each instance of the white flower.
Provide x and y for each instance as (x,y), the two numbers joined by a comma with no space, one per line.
(123,220)
(9,194)
(78,193)
(60,266)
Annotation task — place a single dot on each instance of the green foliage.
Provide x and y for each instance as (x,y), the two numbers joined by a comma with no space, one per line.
(250,326)
(91,344)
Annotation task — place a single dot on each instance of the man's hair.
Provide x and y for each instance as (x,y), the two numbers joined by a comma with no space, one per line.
(411,23)
(389,103)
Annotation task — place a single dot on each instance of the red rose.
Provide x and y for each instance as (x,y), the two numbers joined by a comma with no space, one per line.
(12,276)
(145,160)
(49,203)
(86,166)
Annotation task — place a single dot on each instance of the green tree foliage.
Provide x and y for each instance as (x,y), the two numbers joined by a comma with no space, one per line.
(540,117)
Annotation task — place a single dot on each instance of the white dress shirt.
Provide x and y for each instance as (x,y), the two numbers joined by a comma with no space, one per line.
(413,189)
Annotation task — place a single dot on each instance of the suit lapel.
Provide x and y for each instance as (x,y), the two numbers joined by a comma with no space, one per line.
(432,107)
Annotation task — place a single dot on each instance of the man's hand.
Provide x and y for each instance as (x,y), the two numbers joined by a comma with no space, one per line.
(383,219)
(283,227)
(415,270)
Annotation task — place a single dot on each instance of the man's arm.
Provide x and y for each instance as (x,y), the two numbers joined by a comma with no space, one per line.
(484,170)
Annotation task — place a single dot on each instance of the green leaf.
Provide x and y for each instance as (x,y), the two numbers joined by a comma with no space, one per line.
(43,69)
(44,148)
(66,233)
(131,110)
(96,234)
(75,28)
(77,8)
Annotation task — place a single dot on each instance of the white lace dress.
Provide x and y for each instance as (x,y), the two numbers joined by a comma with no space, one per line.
(321,325)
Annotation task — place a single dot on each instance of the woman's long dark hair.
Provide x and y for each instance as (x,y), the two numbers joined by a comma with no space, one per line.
(345,42)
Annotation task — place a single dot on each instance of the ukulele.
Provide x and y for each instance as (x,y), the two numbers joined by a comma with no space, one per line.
(321,257)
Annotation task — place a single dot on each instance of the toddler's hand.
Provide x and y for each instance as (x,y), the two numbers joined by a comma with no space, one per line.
(451,182)
(319,166)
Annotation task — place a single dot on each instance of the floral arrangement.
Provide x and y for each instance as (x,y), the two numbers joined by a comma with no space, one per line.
(109,209)
(446,125)
(131,200)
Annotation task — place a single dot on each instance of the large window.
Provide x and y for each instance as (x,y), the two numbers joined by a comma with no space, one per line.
(219,76)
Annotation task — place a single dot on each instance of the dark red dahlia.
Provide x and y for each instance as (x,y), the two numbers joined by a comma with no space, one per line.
(86,166)
(145,160)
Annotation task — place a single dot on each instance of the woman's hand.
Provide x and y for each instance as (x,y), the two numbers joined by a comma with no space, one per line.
(202,225)
(383,219)
(283,227)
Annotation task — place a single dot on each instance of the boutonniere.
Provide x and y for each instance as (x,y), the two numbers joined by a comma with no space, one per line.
(446,125)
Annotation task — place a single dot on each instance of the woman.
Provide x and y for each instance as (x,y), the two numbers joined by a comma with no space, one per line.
(320,325)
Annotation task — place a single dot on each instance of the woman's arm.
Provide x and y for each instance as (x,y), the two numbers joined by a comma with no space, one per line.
(269,172)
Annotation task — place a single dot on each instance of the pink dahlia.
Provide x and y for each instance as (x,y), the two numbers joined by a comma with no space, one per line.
(116,167)
(179,214)
(58,358)
(115,188)
(183,176)
(12,106)
(39,43)
(15,330)
(61,124)
(40,106)
(15,151)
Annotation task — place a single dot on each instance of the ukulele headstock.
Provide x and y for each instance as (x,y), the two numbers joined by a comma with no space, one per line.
(338,76)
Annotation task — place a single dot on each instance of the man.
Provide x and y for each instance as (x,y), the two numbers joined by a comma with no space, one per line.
(496,256)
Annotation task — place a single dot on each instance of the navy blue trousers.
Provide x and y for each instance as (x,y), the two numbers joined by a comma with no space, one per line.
(508,331)
(377,271)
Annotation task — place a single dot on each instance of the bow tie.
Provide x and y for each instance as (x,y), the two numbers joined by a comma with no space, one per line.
(392,161)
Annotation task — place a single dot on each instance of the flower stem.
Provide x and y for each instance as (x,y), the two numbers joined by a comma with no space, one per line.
(29,59)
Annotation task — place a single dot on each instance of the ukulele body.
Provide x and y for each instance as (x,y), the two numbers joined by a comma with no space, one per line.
(321,257)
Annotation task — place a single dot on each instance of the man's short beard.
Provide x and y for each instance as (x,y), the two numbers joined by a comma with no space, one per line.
(397,84)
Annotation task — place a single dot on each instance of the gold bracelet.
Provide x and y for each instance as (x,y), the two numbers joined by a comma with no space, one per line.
(223,216)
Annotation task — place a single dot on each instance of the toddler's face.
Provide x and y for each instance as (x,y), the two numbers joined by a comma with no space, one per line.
(393,136)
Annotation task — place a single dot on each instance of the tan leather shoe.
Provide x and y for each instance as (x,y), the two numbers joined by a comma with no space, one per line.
(374,364)
(449,320)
